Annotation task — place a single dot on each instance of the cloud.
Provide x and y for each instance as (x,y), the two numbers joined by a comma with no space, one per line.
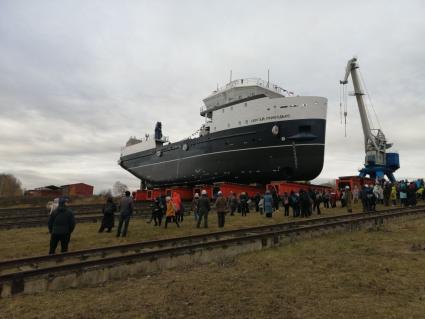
(79,78)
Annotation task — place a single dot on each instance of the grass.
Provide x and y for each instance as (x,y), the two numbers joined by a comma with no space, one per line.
(366,274)
(18,243)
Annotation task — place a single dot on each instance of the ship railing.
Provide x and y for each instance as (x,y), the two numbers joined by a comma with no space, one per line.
(254,81)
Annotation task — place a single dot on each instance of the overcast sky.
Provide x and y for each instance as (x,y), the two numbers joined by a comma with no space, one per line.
(77,78)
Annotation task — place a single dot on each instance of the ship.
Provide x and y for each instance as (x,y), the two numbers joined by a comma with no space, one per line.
(254,132)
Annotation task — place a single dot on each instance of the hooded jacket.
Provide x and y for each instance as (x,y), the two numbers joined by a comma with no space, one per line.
(61,221)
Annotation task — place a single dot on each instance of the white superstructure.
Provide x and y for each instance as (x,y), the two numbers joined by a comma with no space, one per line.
(245,102)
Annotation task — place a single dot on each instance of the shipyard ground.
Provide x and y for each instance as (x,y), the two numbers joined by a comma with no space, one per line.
(24,242)
(366,274)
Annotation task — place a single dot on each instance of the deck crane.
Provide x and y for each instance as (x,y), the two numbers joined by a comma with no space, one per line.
(378,162)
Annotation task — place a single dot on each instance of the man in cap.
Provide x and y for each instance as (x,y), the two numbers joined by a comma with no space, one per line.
(203,209)
(222,208)
(61,224)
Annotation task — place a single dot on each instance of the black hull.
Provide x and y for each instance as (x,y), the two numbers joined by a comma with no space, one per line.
(250,154)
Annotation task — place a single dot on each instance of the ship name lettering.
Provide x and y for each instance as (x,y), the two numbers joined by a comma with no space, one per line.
(268,118)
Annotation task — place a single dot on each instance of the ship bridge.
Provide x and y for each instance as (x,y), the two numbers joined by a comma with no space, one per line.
(239,91)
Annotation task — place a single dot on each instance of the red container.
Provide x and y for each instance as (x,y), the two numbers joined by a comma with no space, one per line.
(226,188)
(353,181)
(148,195)
(209,188)
(287,187)
(251,191)
(185,193)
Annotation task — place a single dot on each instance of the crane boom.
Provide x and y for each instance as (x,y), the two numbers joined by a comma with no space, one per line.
(352,68)
(374,139)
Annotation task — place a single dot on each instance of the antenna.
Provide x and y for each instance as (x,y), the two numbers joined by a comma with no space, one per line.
(268,77)
(230,76)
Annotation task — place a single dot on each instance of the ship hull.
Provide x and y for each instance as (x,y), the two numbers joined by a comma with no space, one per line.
(250,154)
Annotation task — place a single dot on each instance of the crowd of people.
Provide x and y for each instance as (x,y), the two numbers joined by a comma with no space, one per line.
(302,203)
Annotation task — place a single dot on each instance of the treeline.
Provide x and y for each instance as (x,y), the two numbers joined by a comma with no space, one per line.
(10,186)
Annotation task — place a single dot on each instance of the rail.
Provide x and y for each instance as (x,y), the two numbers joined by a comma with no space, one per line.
(18,275)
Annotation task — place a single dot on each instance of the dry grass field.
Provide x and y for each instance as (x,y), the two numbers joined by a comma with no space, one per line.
(18,243)
(366,274)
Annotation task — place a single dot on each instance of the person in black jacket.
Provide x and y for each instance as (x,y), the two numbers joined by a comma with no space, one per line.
(61,224)
(157,211)
(108,211)
(126,211)
(305,203)
(203,209)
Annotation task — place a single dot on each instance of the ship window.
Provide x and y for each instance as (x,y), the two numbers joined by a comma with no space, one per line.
(222,110)
(240,123)
(304,104)
(228,124)
(214,128)
(284,106)
(304,129)
(246,104)
(246,121)
(231,107)
(268,109)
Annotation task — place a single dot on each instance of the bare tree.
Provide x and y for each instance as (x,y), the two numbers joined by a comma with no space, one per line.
(119,188)
(10,186)
(106,193)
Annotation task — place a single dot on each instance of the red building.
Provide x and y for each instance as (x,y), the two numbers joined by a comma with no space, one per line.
(45,191)
(79,189)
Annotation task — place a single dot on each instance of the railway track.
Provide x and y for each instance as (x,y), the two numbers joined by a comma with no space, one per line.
(97,265)
(39,217)
(42,221)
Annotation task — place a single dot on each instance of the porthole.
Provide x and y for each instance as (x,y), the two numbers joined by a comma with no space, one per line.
(185,147)
(275,130)
(159,153)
